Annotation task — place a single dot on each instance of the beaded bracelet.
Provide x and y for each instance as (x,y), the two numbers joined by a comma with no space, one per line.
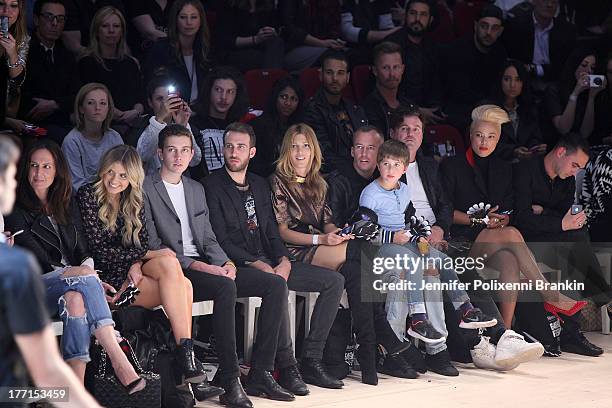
(477,221)
(20,62)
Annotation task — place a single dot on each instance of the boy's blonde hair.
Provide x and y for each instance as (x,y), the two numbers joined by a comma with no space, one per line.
(393,148)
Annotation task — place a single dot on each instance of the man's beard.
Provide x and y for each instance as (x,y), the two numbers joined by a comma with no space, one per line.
(419,33)
(483,45)
(236,168)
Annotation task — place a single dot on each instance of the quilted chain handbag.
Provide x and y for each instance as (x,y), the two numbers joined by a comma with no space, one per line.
(109,392)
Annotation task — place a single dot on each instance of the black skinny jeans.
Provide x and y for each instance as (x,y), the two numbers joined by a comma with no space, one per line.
(329,284)
(367,309)
(249,282)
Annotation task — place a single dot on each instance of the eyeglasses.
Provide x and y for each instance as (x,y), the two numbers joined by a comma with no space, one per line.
(50,17)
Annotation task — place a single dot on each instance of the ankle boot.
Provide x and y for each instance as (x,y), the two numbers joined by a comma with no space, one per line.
(185,358)
(366,355)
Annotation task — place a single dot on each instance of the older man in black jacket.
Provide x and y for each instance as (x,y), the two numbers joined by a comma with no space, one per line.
(388,69)
(334,118)
(421,78)
(428,196)
(369,318)
(540,41)
(245,226)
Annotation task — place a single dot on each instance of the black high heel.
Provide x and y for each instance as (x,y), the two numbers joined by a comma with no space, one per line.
(134,386)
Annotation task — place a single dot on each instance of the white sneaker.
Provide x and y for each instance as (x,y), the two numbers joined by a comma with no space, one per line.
(483,356)
(512,349)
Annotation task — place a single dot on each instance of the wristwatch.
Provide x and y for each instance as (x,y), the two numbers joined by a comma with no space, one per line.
(230,262)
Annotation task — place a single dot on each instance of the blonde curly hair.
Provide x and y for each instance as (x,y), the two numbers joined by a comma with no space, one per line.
(131,201)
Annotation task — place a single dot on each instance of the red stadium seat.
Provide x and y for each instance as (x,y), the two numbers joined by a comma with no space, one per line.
(465,14)
(360,80)
(310,81)
(259,83)
(444,31)
(439,134)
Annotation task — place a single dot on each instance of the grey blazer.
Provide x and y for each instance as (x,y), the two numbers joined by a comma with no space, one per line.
(164,226)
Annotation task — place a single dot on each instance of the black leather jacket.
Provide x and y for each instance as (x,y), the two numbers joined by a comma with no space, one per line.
(436,195)
(335,142)
(344,189)
(42,240)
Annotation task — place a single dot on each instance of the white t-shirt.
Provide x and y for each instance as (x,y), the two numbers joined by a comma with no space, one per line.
(177,196)
(417,194)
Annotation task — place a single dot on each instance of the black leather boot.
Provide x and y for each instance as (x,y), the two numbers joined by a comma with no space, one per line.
(261,383)
(234,396)
(186,360)
(366,355)
(313,372)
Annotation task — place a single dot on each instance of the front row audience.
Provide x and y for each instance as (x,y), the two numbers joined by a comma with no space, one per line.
(260,247)
(28,348)
(113,217)
(172,196)
(47,214)
(179,241)
(481,177)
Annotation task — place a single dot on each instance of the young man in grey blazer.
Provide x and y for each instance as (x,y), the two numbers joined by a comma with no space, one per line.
(178,218)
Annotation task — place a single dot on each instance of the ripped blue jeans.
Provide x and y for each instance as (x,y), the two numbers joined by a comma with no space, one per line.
(77,329)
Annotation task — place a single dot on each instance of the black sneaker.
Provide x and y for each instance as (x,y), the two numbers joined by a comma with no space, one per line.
(475,319)
(579,344)
(423,330)
(552,350)
(414,357)
(396,366)
(440,363)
